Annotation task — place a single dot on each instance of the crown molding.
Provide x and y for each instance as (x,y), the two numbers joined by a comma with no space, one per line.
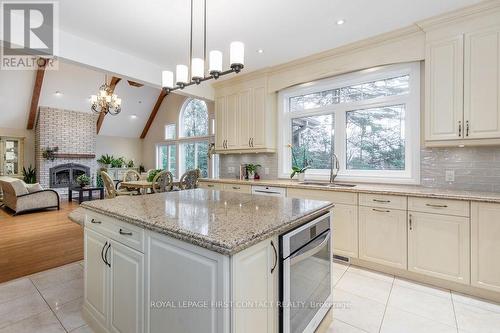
(459,14)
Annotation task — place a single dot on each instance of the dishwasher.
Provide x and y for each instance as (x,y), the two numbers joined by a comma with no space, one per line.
(269,190)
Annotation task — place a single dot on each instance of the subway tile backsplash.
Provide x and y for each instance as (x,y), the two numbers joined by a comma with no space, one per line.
(475,168)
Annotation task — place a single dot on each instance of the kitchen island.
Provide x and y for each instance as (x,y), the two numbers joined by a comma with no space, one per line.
(189,261)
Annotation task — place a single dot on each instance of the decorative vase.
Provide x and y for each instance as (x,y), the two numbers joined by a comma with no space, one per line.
(302,177)
(251,175)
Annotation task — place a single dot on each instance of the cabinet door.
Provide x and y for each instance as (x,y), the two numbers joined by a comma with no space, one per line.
(382,236)
(96,276)
(254,278)
(245,118)
(438,245)
(220,122)
(199,275)
(345,230)
(238,188)
(444,90)
(485,246)
(126,289)
(232,121)
(258,125)
(482,84)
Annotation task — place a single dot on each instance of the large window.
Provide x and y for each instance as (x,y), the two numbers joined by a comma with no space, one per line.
(188,149)
(369,119)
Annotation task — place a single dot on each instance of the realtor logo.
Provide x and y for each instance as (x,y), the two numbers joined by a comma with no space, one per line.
(29,32)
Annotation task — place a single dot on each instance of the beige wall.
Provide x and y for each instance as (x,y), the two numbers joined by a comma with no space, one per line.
(29,142)
(130,148)
(168,114)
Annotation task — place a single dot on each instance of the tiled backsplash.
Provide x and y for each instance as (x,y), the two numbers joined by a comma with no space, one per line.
(267,161)
(476,168)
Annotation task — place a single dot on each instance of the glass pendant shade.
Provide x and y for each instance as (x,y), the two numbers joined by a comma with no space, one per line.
(215,61)
(237,53)
(197,68)
(181,73)
(167,79)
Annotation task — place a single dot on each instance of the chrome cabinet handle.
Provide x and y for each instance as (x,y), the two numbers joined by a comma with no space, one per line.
(410,222)
(460,128)
(381,201)
(249,142)
(467,128)
(125,233)
(210,185)
(236,188)
(95,221)
(275,257)
(436,206)
(381,210)
(252,142)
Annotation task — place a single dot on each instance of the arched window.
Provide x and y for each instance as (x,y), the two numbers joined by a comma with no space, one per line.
(193,119)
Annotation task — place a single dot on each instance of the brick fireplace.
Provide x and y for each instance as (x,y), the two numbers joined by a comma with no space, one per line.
(75,135)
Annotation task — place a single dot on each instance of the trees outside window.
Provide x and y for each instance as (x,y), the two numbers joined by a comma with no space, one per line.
(369,119)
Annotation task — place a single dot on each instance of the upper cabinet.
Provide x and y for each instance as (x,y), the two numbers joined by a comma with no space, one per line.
(245,116)
(463,86)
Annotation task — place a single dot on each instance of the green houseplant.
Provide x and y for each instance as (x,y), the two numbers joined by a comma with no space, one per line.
(153,173)
(105,160)
(83,180)
(118,162)
(29,175)
(252,169)
(50,153)
(299,164)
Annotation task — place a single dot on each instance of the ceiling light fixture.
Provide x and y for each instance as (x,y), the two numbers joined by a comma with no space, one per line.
(260,51)
(133,116)
(340,22)
(106,102)
(58,93)
(194,72)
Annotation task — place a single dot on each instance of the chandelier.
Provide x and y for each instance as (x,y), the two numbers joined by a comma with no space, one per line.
(106,101)
(195,74)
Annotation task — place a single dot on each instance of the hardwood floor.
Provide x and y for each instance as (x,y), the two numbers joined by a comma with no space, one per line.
(38,241)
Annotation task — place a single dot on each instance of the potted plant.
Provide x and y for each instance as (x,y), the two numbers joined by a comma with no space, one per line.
(152,174)
(50,153)
(83,180)
(130,164)
(299,167)
(252,169)
(118,162)
(29,175)
(105,161)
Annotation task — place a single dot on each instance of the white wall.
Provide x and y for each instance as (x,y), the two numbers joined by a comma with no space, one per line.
(130,148)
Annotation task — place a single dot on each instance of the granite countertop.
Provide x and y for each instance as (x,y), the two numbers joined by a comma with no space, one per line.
(224,222)
(391,189)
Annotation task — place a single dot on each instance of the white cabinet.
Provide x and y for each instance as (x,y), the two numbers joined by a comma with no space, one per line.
(245,116)
(238,188)
(255,280)
(444,89)
(463,87)
(438,245)
(482,84)
(11,156)
(179,272)
(382,236)
(485,246)
(114,286)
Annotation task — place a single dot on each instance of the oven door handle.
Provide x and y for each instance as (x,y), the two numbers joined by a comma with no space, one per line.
(307,252)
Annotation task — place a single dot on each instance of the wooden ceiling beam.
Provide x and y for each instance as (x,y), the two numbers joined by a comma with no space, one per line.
(135,84)
(112,85)
(35,97)
(152,116)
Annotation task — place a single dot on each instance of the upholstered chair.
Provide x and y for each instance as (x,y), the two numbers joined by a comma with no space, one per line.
(189,179)
(163,182)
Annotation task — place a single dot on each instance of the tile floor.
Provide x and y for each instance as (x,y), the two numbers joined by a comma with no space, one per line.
(365,301)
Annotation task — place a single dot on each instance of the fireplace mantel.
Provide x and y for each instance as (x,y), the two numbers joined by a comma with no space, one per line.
(62,155)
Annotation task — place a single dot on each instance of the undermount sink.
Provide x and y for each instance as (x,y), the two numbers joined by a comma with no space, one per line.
(326,184)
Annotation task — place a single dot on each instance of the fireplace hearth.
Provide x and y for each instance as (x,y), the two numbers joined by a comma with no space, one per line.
(65,175)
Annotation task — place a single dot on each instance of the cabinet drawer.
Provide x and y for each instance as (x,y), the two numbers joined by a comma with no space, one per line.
(238,188)
(439,206)
(121,232)
(381,200)
(345,198)
(211,186)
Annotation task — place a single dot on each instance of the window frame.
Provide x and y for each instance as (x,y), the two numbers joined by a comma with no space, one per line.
(176,136)
(411,174)
(180,140)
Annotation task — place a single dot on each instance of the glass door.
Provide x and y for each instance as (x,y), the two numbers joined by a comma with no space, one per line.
(10,163)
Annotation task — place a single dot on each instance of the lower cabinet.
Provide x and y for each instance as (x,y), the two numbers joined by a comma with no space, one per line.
(485,246)
(114,284)
(382,236)
(238,188)
(345,230)
(438,245)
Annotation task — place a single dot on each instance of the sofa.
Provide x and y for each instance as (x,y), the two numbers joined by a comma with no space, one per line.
(22,198)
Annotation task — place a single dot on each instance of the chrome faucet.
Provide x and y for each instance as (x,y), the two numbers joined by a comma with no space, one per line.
(334,160)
